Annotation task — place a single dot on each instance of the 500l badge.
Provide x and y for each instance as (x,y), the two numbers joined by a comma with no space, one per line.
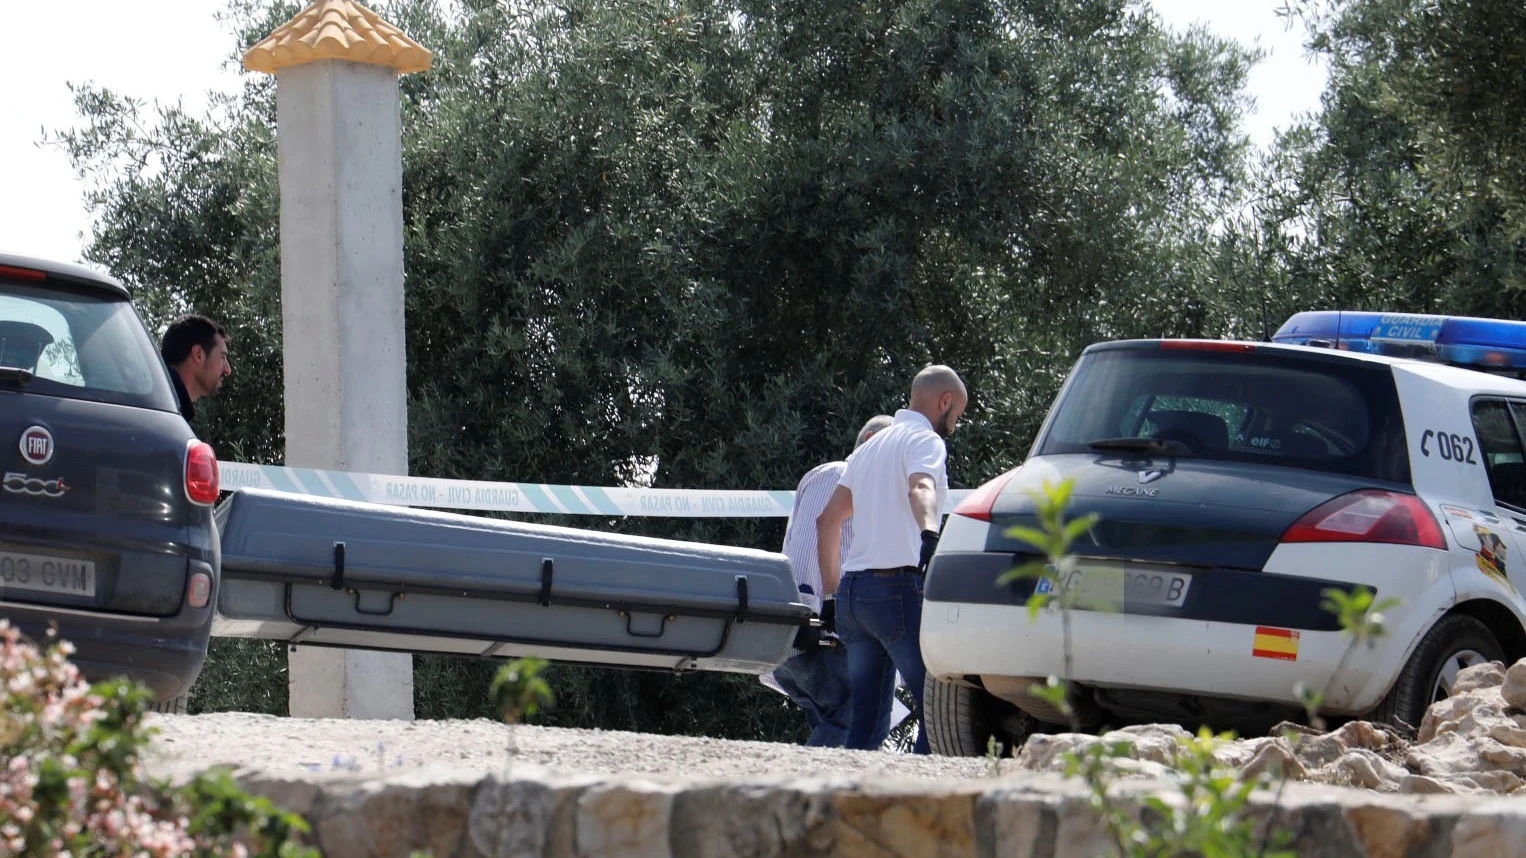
(21,484)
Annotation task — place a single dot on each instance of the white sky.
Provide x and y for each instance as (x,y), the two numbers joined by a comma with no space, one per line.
(178,51)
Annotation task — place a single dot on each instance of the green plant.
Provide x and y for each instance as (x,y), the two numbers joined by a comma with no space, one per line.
(72,782)
(1057,570)
(1360,618)
(993,757)
(215,806)
(518,691)
(1208,816)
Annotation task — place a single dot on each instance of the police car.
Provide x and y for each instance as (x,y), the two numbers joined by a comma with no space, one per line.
(1235,483)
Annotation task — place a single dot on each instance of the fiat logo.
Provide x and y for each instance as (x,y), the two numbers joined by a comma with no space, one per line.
(37,445)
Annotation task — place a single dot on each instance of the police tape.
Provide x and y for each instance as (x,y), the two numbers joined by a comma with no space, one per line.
(434,493)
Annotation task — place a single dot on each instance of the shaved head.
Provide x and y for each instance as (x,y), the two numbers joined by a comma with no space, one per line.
(937,379)
(938,394)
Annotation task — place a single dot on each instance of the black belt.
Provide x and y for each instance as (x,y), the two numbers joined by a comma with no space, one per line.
(894,570)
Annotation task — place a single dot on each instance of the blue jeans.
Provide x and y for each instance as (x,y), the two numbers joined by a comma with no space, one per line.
(879,619)
(817,680)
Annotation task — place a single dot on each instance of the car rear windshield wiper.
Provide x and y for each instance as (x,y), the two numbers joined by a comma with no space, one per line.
(21,377)
(1151,446)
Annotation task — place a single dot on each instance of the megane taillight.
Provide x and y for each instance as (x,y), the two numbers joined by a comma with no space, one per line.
(1207,346)
(16,273)
(201,481)
(1370,515)
(977,504)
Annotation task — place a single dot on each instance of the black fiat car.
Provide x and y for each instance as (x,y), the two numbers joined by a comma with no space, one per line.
(106,527)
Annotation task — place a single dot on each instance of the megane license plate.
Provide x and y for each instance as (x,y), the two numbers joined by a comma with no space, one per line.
(1117,586)
(40,573)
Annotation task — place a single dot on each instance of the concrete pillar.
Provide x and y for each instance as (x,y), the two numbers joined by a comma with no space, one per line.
(340,144)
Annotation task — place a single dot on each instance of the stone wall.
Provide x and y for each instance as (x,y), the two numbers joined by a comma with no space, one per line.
(468,789)
(531,811)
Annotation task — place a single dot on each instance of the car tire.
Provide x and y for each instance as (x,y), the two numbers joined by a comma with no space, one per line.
(176,705)
(1457,641)
(961,720)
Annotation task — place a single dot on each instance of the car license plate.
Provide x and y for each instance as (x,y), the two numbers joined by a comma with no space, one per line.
(1118,586)
(39,573)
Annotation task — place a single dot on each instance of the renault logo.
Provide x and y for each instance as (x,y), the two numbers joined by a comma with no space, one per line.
(1151,475)
(37,445)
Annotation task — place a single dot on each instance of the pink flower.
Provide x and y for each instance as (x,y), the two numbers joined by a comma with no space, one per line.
(52,715)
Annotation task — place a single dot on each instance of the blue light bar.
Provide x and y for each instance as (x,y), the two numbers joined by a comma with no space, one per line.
(1485,344)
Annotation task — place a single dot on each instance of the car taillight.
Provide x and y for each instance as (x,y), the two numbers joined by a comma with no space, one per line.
(1369,515)
(199,591)
(201,483)
(15,273)
(977,504)
(1207,346)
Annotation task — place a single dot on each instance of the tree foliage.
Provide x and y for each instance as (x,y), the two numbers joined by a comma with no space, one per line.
(1455,70)
(697,243)
(1407,192)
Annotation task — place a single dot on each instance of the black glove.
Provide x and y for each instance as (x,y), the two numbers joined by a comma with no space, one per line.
(929,545)
(823,632)
(829,616)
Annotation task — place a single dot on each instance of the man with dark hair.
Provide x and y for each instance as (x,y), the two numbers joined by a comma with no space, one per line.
(196,349)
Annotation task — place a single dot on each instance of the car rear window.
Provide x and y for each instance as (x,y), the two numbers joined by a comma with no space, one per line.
(81,345)
(1324,414)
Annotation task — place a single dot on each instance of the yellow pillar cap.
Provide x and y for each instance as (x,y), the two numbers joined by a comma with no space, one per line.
(337,30)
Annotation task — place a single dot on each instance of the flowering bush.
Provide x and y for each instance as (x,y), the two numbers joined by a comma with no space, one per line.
(71,783)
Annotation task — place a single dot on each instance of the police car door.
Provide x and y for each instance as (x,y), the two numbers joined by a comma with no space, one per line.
(1498,538)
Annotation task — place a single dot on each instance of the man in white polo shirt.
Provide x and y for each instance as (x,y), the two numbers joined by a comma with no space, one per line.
(893,488)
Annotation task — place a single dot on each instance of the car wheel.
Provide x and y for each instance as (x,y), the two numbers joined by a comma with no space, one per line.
(1456,642)
(961,720)
(171,706)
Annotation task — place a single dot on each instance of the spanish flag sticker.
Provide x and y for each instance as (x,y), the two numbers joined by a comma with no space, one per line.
(1275,643)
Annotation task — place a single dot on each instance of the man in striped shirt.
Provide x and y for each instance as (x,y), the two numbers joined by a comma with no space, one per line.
(817,679)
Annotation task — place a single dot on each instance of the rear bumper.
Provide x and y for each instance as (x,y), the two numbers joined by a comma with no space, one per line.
(1127,652)
(165,655)
(1206,656)
(137,577)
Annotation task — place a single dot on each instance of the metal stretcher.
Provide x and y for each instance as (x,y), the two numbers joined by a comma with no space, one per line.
(321,572)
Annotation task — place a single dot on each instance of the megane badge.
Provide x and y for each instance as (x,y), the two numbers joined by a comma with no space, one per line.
(37,445)
(1131,492)
(1151,475)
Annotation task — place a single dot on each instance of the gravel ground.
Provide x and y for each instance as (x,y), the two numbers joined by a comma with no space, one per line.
(188,743)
